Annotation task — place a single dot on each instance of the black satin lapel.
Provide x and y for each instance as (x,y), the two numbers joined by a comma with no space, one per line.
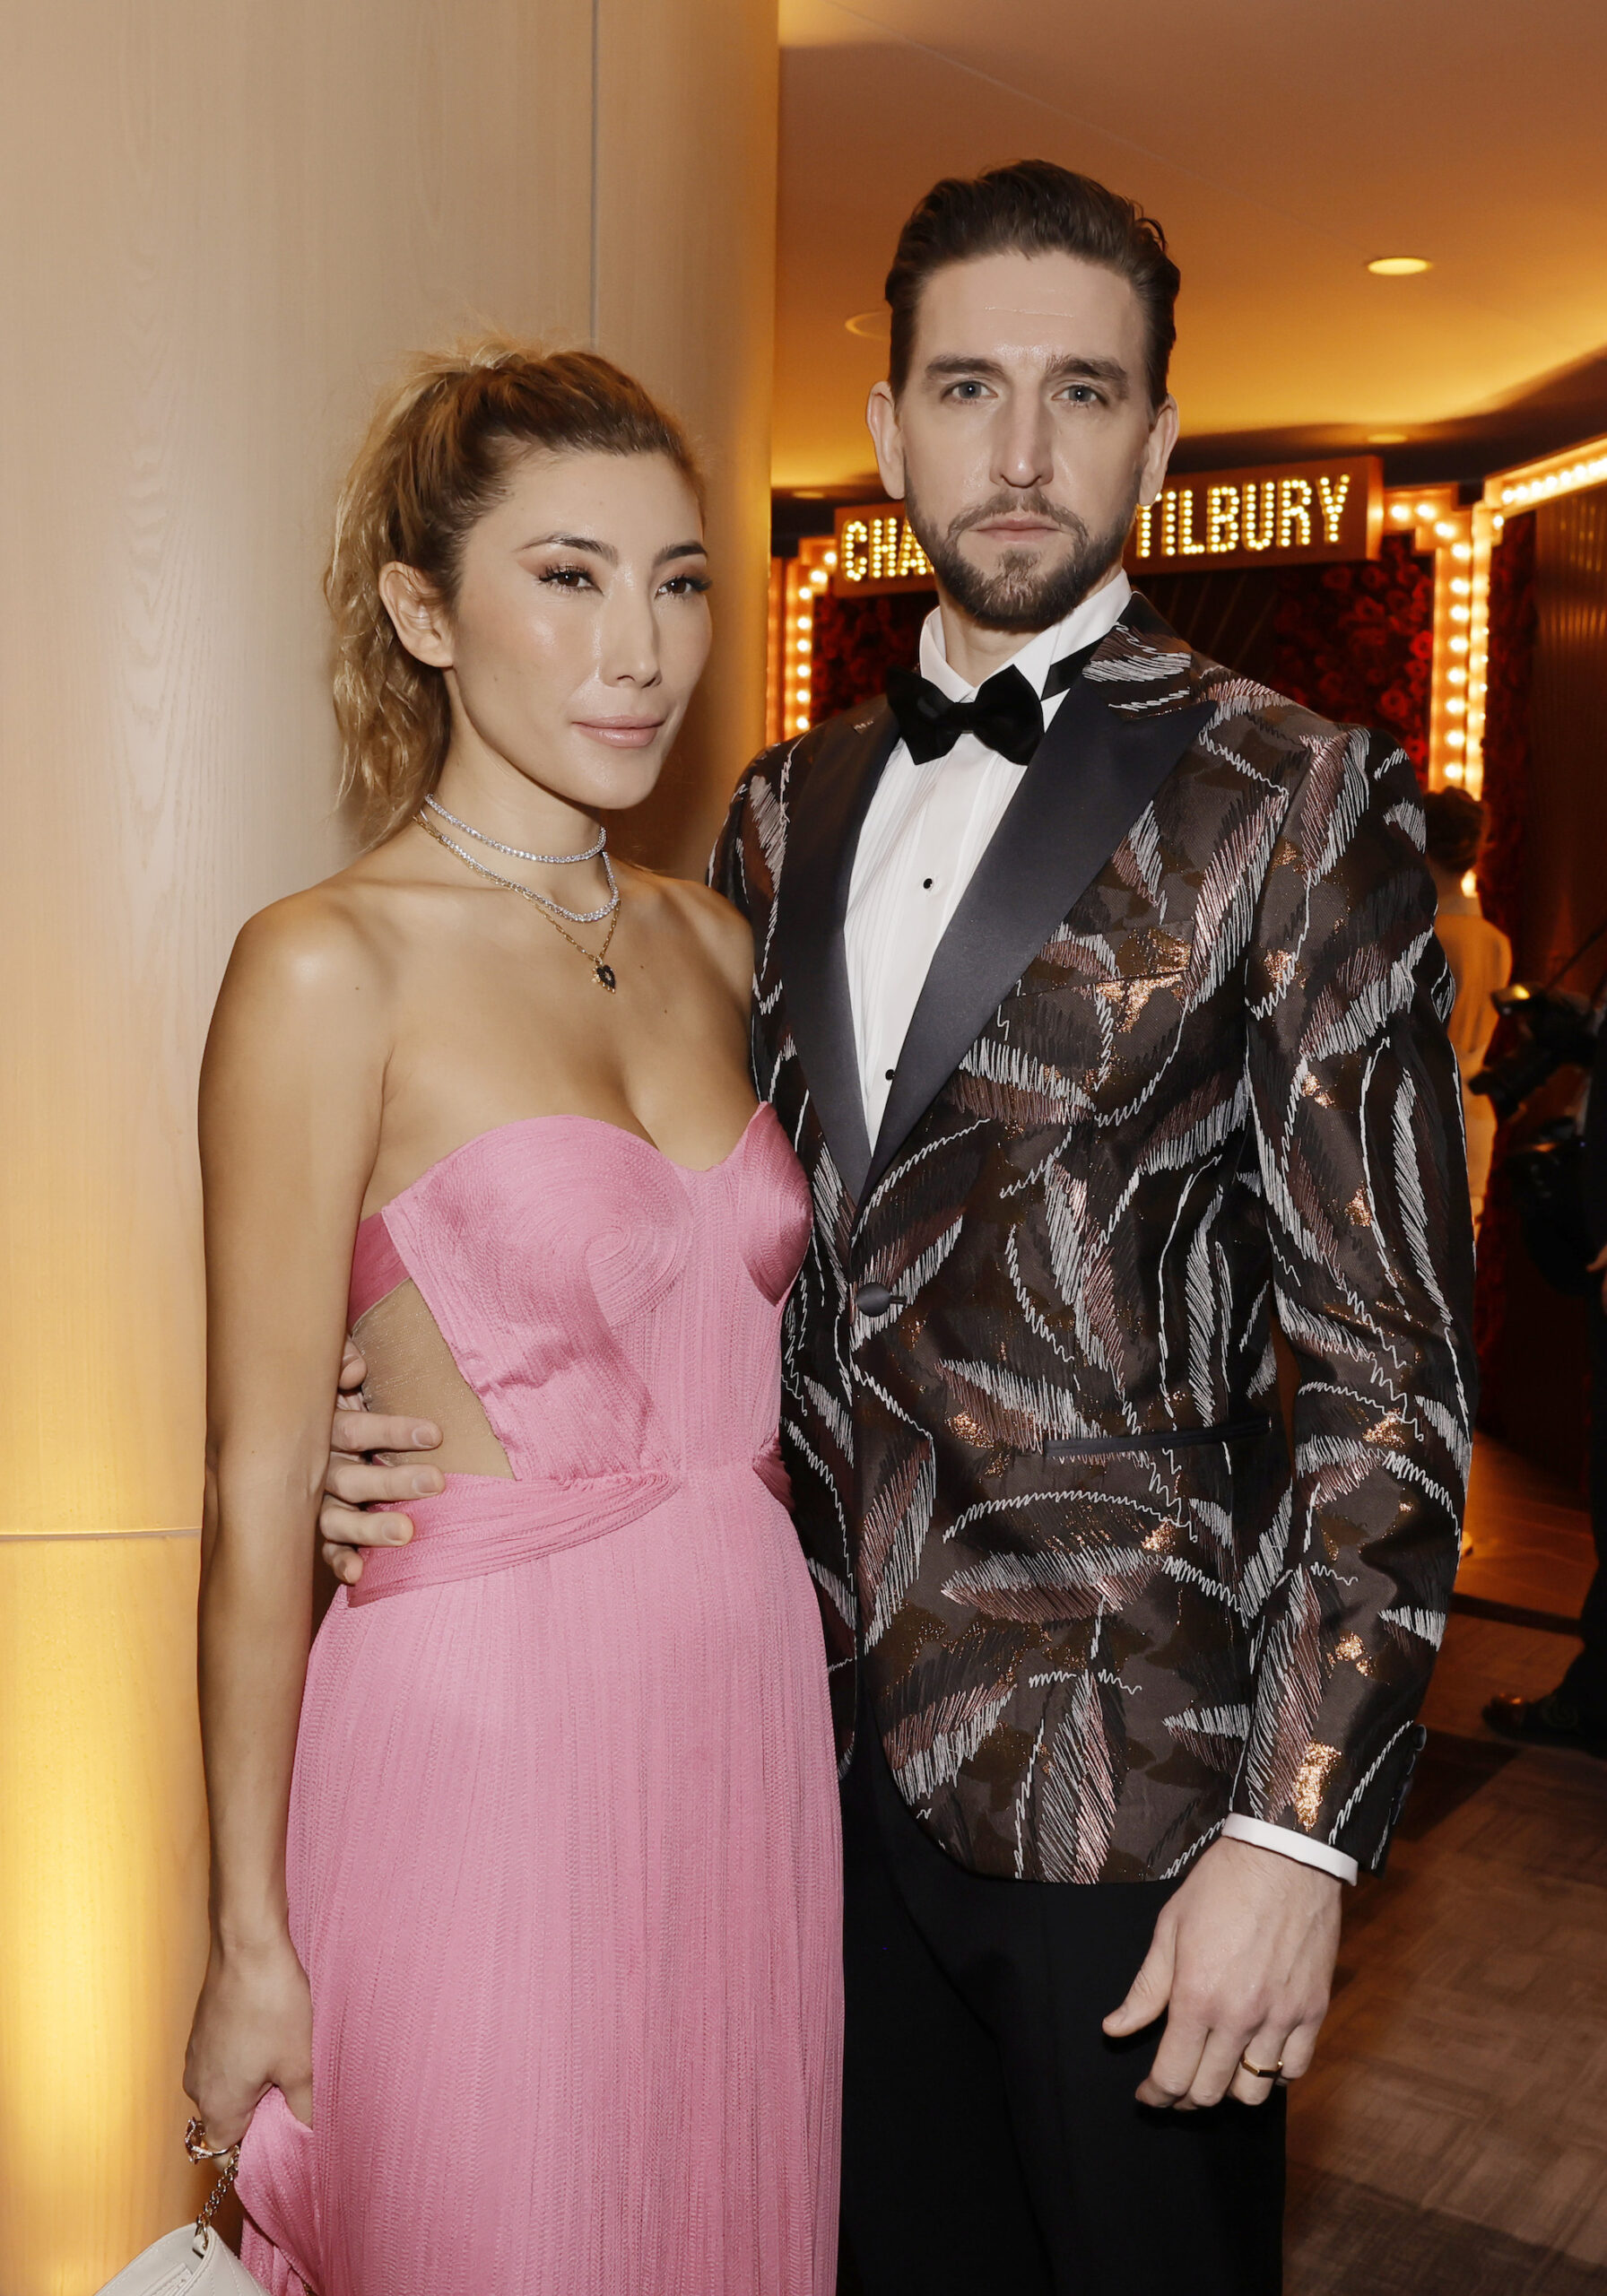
(1095,771)
(811,901)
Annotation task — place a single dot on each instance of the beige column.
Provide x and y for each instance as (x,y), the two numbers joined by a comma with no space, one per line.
(686,285)
(226,224)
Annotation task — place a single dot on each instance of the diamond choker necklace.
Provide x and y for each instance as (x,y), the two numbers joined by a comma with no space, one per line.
(603,972)
(515,852)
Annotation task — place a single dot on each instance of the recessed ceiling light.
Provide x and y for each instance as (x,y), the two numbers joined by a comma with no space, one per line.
(1386,437)
(1397,266)
(876,324)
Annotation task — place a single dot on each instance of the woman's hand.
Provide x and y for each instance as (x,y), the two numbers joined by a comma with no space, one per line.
(252,2031)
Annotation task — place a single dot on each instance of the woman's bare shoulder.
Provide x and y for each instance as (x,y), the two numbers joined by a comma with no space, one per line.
(723,931)
(353,920)
(304,1019)
(319,940)
(322,964)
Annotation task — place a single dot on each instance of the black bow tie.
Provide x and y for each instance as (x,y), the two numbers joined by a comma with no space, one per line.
(1006,715)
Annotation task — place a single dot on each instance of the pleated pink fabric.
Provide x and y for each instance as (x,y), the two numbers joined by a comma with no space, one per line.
(564,1854)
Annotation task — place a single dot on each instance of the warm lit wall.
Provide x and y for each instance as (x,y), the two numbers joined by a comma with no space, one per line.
(225,225)
(686,223)
(102,1872)
(1550,792)
(1542,874)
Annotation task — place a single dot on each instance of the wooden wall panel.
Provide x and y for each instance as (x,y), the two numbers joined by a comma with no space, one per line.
(102,1902)
(1538,1375)
(686,239)
(1565,841)
(226,224)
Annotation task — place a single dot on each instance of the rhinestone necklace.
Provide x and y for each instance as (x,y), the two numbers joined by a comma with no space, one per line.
(603,972)
(512,885)
(515,852)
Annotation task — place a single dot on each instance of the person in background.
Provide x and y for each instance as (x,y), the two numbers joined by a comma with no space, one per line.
(1575,1714)
(1480,956)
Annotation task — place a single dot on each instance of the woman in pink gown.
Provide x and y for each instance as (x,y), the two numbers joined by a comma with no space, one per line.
(527,1978)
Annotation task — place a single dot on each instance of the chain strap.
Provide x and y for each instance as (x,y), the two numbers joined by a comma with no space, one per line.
(228,2158)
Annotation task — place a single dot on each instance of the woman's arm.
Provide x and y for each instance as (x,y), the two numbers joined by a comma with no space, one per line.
(290,1096)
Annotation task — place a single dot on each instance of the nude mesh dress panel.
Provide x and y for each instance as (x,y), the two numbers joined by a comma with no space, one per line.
(412,1375)
(564,1859)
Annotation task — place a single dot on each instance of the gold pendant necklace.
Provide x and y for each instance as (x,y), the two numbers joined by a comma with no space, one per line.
(603,972)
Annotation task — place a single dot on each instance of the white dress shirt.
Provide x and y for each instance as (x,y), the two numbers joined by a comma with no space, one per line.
(924,831)
(927,828)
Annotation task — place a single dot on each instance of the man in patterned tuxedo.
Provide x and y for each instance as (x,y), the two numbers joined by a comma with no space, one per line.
(1097,987)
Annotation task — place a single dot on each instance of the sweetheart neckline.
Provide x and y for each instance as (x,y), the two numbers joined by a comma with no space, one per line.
(570,1115)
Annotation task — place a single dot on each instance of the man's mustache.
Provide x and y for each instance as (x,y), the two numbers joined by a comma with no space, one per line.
(1036,504)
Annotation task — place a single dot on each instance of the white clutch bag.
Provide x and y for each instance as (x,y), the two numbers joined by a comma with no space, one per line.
(192,2261)
(185,2263)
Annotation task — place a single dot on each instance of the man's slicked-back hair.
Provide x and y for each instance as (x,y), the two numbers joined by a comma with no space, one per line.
(1034,208)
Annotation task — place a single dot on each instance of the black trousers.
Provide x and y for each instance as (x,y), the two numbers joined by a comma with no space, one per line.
(992,2145)
(1585,1685)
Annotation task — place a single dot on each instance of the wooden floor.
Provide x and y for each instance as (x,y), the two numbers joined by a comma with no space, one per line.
(1526,1538)
(1452,2139)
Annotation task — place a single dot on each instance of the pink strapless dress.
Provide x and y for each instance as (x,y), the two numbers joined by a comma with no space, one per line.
(564,1853)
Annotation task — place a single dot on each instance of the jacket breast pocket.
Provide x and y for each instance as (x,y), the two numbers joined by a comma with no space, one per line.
(1174,1439)
(1103,1032)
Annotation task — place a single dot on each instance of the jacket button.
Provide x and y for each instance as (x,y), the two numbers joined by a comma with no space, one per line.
(872,1298)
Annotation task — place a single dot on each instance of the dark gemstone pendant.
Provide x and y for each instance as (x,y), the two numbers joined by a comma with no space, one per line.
(604,976)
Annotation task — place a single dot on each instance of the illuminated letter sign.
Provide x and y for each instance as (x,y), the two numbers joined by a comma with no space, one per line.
(1261,510)
(1333,491)
(1221,520)
(877,551)
(1294,498)
(884,549)
(1293,514)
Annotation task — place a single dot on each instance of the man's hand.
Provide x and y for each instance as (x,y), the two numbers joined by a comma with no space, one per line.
(355,1480)
(1242,1962)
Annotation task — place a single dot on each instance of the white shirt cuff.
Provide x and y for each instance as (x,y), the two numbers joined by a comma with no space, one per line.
(1290,1844)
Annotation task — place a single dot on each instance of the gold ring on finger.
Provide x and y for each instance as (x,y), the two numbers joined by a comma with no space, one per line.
(1260,2071)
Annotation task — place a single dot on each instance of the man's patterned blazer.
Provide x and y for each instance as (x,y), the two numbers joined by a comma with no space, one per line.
(1179,1066)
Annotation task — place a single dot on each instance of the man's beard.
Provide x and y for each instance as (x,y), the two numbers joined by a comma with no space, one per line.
(1019,594)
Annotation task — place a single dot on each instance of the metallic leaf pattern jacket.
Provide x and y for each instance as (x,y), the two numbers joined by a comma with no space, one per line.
(1180,1065)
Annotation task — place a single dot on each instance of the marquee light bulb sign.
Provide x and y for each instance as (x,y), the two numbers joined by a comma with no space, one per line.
(876,549)
(1533,484)
(1291,513)
(1282,514)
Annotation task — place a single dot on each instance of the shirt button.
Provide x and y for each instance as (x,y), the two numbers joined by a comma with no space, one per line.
(926,884)
(889,1075)
(872,1298)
